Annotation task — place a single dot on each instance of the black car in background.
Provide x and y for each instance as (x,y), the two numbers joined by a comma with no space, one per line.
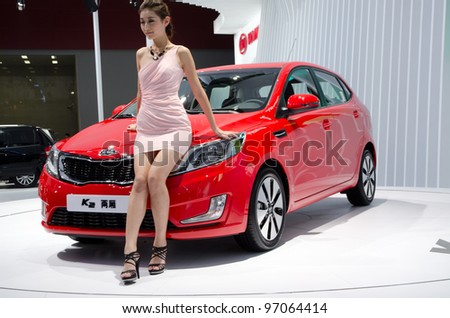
(23,151)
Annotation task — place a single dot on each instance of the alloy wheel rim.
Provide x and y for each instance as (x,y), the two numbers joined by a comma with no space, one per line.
(368,177)
(25,180)
(270,208)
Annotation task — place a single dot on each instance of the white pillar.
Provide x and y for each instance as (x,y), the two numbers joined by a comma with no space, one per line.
(98,65)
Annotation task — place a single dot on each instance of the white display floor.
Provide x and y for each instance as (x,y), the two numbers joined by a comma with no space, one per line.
(330,249)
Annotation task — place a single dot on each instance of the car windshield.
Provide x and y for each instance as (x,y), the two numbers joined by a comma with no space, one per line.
(242,90)
(231,91)
(128,112)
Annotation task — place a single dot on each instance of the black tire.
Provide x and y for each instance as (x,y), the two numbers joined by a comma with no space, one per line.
(26,181)
(364,191)
(266,213)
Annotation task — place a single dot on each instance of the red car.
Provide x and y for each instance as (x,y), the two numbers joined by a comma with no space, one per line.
(304,135)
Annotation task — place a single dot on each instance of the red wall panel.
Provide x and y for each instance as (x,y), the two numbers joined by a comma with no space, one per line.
(65,25)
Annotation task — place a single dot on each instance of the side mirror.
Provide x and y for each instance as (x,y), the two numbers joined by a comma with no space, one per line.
(300,102)
(118,109)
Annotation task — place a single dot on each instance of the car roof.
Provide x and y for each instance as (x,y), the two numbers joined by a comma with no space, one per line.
(15,125)
(258,65)
(47,131)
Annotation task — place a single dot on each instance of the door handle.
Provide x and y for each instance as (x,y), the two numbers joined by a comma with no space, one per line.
(356,114)
(326,124)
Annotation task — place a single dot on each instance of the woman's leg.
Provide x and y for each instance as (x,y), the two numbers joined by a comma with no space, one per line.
(137,203)
(162,165)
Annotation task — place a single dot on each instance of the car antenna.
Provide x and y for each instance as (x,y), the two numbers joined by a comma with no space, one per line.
(292,48)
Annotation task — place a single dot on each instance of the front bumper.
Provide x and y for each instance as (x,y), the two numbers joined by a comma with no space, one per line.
(191,195)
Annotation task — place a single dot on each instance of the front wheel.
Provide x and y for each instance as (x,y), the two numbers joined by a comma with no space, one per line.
(364,191)
(266,213)
(25,181)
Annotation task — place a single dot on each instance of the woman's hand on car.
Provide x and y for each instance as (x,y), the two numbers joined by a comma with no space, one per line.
(131,127)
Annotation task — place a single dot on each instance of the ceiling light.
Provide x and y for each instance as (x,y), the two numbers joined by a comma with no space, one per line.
(27,62)
(54,62)
(24,57)
(20,5)
(53,57)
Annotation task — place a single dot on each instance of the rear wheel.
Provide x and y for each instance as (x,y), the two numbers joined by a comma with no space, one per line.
(266,213)
(364,191)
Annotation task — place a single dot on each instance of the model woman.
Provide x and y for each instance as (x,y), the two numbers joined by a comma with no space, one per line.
(163,132)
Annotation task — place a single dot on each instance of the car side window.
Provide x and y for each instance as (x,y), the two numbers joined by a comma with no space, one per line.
(2,138)
(41,138)
(332,88)
(300,82)
(347,91)
(19,136)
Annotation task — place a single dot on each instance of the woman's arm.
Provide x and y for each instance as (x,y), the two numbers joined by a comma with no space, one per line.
(188,65)
(139,54)
(138,94)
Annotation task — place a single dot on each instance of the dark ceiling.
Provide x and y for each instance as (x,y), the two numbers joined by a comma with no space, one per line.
(67,25)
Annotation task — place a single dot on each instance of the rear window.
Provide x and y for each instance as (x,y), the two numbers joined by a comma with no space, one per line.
(333,89)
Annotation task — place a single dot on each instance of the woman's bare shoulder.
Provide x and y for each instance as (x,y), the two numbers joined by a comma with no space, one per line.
(141,51)
(184,54)
(183,50)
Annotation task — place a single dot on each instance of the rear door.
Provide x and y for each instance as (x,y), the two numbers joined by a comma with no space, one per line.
(21,152)
(344,127)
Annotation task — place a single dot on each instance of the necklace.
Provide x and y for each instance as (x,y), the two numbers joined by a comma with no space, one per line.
(155,55)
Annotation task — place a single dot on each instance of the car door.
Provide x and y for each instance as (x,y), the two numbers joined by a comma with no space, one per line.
(304,150)
(343,136)
(22,152)
(3,157)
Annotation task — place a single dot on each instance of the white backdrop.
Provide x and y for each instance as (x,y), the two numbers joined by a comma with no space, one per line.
(392,53)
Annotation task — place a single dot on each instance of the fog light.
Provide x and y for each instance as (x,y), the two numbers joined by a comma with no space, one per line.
(215,211)
(43,210)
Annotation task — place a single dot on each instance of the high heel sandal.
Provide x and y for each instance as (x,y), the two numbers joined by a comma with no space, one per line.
(160,252)
(132,258)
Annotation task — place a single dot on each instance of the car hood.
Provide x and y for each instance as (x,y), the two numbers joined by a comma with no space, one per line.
(110,138)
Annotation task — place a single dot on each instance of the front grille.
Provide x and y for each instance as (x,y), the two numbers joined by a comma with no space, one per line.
(92,220)
(81,170)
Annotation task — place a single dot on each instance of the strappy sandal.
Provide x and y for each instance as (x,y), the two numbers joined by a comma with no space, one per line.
(132,258)
(160,252)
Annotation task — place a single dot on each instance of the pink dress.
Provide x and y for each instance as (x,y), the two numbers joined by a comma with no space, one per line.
(162,122)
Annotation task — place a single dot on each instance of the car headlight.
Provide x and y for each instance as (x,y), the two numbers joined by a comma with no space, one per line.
(52,162)
(209,153)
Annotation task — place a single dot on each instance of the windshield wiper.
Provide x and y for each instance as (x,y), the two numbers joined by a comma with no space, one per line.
(190,111)
(230,110)
(126,116)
